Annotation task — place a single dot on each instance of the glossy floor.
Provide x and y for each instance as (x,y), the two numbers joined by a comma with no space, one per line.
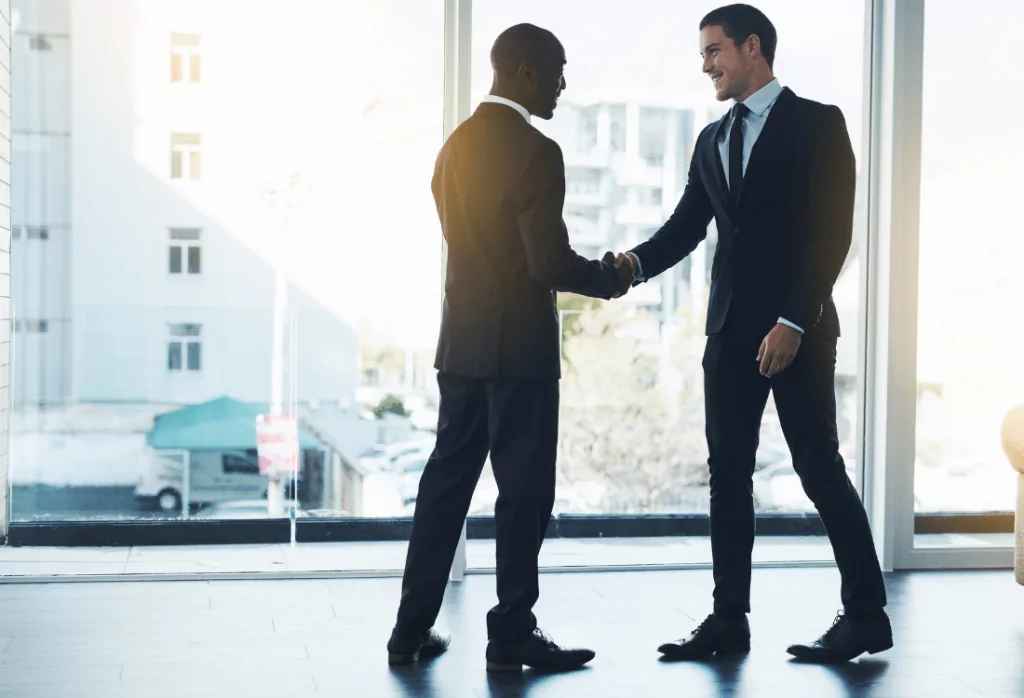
(958,634)
(388,557)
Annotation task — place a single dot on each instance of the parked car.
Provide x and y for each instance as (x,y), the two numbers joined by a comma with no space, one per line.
(409,469)
(383,457)
(244,509)
(216,477)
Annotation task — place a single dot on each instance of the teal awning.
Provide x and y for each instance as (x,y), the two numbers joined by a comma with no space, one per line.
(223,424)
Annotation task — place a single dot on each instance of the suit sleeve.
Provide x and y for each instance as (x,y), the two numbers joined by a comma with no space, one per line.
(832,180)
(684,229)
(550,260)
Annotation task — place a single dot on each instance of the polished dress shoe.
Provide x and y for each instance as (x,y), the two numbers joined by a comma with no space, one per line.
(847,639)
(715,636)
(403,649)
(537,651)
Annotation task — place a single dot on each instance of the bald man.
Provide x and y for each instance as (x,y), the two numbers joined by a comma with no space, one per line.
(499,186)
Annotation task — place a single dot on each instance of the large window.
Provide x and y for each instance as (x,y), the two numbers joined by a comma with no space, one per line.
(186,57)
(185,252)
(313,129)
(632,435)
(971,279)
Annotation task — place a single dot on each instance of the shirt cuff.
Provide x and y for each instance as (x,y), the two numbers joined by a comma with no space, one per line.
(638,270)
(795,326)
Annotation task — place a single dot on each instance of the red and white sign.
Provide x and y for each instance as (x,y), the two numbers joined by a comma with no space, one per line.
(277,443)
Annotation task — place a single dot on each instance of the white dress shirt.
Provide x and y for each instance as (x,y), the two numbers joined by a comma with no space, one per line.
(760,105)
(495,99)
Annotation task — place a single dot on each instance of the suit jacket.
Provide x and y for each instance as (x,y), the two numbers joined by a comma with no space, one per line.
(499,186)
(781,248)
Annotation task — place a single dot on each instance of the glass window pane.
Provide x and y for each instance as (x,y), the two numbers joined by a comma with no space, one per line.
(175,266)
(142,345)
(971,289)
(175,67)
(632,413)
(194,356)
(174,356)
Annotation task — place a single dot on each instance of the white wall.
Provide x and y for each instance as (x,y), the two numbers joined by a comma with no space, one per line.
(41,121)
(123,202)
(5,251)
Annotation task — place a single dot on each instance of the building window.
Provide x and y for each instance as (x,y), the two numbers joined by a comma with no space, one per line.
(618,128)
(39,43)
(240,462)
(185,251)
(184,349)
(653,125)
(586,141)
(32,326)
(583,181)
(186,57)
(37,232)
(649,196)
(185,160)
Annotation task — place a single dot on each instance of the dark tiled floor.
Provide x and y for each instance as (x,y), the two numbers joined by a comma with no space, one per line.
(958,634)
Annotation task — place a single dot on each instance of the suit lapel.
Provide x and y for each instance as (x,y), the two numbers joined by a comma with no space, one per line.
(776,117)
(715,157)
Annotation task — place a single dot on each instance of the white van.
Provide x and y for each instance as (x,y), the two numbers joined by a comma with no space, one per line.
(216,477)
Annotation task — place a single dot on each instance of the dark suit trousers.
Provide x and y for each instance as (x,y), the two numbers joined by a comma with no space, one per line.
(735,394)
(517,421)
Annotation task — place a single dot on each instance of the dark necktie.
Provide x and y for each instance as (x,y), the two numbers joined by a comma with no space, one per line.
(736,151)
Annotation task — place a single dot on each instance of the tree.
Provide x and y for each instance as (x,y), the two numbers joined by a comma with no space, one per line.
(633,409)
(389,405)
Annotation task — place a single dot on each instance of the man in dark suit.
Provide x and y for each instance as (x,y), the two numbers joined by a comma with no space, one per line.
(499,186)
(777,174)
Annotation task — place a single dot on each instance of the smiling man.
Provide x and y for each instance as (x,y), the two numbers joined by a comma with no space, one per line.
(777,174)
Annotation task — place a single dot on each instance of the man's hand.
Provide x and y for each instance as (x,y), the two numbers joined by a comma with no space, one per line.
(625,271)
(778,349)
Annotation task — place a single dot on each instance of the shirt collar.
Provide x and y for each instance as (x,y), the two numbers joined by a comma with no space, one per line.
(759,102)
(495,99)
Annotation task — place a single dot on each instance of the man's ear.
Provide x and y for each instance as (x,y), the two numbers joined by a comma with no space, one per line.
(527,73)
(752,45)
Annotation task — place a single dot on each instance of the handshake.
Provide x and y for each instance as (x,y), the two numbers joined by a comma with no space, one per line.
(623,264)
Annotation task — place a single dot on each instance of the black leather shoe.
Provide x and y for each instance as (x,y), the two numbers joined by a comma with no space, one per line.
(537,651)
(715,635)
(847,639)
(406,650)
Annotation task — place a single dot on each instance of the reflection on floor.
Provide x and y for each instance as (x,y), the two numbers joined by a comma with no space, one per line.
(321,559)
(958,634)
(389,557)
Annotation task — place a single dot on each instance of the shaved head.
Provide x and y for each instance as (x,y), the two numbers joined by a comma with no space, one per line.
(528,64)
(525,43)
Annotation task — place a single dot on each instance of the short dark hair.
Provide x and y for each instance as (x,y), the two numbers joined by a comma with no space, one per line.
(523,43)
(740,21)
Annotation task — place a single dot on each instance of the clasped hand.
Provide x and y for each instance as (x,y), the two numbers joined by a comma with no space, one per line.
(624,266)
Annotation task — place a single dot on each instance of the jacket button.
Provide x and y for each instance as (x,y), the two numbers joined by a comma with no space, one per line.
(735,231)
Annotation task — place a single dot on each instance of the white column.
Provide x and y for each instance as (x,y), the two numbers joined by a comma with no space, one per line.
(458,27)
(6,341)
(889,369)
